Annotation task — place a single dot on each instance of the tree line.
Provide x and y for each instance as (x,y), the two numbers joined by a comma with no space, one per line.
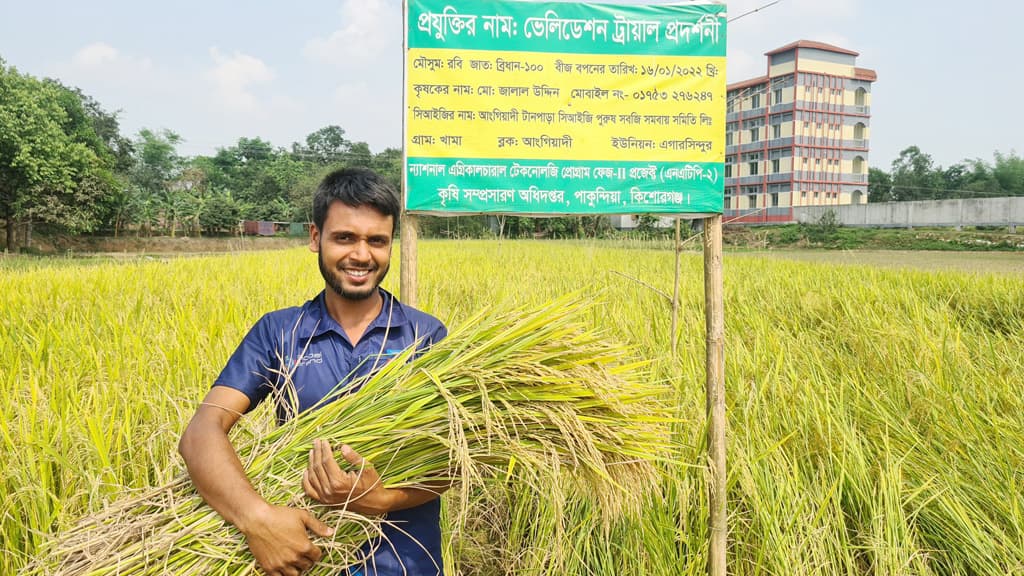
(66,167)
(915,176)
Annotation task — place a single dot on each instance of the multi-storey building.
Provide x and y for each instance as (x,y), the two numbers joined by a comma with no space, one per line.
(799,135)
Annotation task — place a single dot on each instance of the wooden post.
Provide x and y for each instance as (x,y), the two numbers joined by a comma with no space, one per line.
(407,284)
(714,313)
(675,292)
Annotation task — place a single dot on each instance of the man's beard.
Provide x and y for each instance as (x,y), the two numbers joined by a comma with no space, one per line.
(333,279)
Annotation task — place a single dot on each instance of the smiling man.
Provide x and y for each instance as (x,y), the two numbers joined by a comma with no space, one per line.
(347,331)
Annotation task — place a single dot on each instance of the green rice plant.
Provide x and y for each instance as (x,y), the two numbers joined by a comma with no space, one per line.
(530,395)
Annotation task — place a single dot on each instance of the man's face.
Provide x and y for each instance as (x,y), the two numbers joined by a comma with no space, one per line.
(354,249)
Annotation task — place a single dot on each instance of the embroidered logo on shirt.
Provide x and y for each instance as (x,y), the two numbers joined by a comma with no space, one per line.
(311,358)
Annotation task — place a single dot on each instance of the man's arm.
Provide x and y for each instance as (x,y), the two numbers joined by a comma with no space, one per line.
(360,490)
(276,535)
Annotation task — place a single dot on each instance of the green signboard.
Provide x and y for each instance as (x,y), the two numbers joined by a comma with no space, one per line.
(560,108)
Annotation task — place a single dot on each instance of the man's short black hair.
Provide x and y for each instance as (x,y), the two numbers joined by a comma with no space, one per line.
(355,187)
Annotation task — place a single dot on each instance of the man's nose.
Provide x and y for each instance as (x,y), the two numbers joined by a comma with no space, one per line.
(361,250)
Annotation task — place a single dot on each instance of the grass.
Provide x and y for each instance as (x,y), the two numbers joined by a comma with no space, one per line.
(874,420)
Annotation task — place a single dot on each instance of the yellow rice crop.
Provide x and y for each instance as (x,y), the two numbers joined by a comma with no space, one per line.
(874,416)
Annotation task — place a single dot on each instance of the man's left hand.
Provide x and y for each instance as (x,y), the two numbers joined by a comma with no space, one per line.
(359,491)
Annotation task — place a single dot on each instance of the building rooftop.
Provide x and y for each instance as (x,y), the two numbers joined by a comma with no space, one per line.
(747,83)
(865,74)
(814,45)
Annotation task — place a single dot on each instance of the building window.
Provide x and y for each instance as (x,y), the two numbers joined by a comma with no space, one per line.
(728,203)
(752,201)
(775,200)
(777,131)
(778,95)
(753,168)
(728,170)
(775,166)
(755,101)
(728,138)
(858,131)
(754,134)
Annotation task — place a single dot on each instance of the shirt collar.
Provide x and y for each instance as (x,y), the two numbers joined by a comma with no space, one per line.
(316,321)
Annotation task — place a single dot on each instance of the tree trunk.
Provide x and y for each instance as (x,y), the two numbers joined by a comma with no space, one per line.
(11,246)
(28,234)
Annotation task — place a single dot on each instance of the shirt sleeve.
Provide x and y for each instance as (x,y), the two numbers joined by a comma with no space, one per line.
(253,369)
(439,333)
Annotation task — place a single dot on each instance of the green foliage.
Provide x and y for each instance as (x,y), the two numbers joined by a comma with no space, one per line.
(645,223)
(54,168)
(915,176)
(879,185)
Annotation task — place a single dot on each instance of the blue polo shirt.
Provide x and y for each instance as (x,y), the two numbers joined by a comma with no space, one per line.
(307,341)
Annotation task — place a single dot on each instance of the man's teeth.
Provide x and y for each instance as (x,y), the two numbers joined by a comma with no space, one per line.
(357,273)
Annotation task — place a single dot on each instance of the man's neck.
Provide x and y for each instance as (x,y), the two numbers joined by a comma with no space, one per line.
(354,316)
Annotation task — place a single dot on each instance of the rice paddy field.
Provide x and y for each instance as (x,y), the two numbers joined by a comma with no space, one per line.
(876,414)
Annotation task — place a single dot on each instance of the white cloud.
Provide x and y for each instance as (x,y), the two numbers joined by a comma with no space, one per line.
(100,57)
(234,77)
(95,54)
(369,30)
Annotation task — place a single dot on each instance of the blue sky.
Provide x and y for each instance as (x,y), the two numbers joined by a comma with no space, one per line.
(214,71)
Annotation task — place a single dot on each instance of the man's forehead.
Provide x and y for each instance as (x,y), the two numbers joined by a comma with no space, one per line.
(344,216)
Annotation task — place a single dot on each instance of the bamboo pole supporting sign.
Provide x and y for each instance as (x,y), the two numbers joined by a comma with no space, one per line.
(407,283)
(675,290)
(714,311)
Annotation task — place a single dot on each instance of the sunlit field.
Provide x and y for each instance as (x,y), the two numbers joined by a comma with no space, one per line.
(874,413)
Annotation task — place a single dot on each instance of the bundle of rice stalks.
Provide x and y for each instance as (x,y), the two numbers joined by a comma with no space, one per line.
(529,396)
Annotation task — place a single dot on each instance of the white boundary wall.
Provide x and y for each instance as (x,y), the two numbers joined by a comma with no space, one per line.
(941,213)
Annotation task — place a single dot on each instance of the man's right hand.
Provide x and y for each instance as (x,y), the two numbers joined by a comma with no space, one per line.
(278,538)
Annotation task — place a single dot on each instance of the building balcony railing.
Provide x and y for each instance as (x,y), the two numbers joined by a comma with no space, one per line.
(759,145)
(853,144)
(754,113)
(780,177)
(802,175)
(857,110)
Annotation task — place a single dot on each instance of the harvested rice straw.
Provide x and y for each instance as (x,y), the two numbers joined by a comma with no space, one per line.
(530,395)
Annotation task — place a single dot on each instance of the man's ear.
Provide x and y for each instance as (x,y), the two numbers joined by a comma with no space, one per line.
(314,238)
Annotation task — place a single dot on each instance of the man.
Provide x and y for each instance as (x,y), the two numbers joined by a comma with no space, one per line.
(347,331)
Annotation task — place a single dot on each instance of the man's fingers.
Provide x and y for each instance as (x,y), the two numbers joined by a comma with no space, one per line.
(353,457)
(311,477)
(320,474)
(316,526)
(308,487)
